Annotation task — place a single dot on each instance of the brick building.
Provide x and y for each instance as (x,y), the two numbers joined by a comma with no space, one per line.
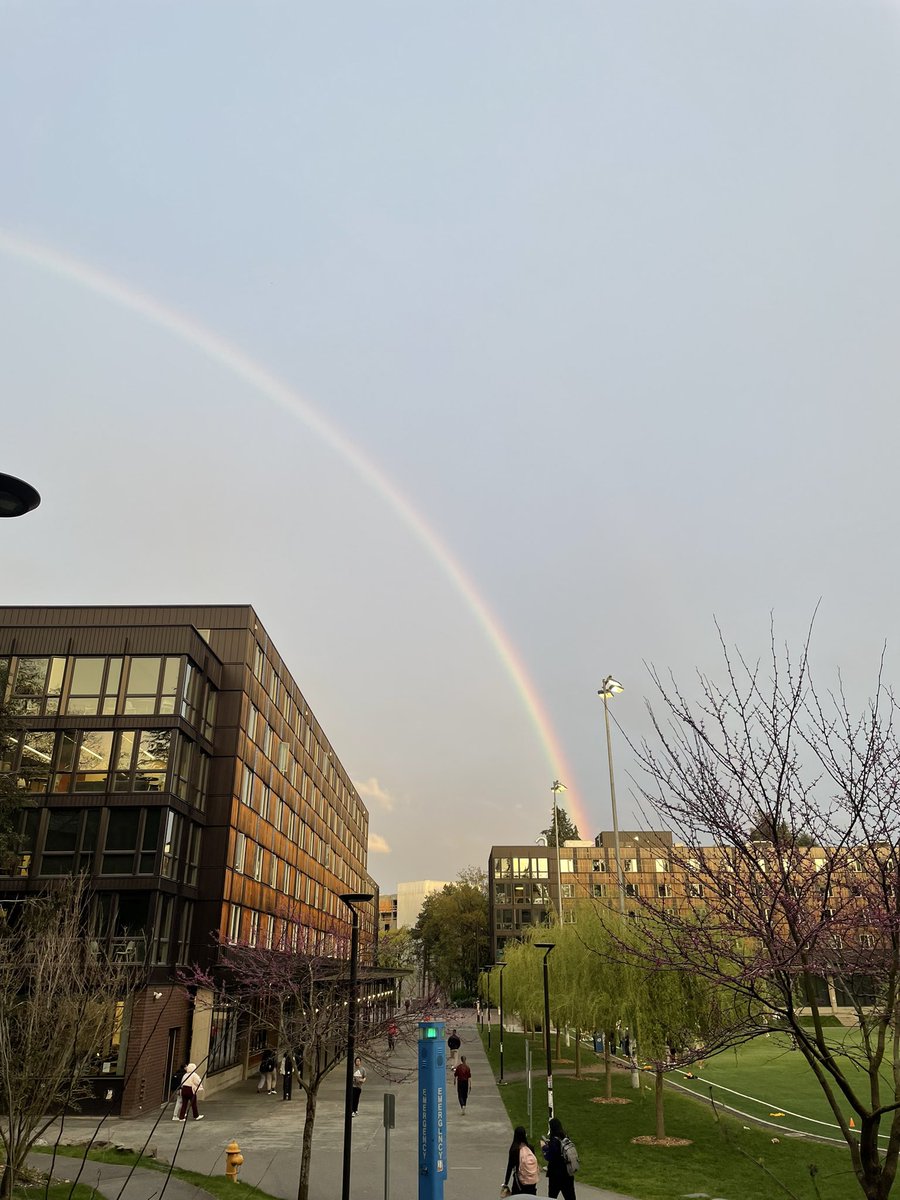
(168,755)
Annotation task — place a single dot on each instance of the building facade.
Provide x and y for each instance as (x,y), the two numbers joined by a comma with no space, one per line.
(168,756)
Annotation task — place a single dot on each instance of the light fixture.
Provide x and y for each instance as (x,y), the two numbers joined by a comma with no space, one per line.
(17,497)
(608,688)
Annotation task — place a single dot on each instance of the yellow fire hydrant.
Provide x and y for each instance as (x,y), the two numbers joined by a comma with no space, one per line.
(233,1160)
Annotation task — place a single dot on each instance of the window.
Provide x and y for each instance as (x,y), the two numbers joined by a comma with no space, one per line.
(663,890)
(695,890)
(505,918)
(170,865)
(568,891)
(184,932)
(193,854)
(165,920)
(234,923)
(93,686)
(631,889)
(598,890)
(70,840)
(662,864)
(566,865)
(629,864)
(82,760)
(598,865)
(258,863)
(151,685)
(28,755)
(141,760)
(253,935)
(224,1047)
(130,843)
(240,846)
(36,686)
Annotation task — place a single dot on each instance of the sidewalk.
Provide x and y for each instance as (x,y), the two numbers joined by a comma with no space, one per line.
(268,1131)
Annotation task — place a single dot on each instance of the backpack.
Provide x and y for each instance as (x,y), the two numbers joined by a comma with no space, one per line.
(570,1155)
(527,1170)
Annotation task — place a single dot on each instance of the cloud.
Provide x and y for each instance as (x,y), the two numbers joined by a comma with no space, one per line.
(371,789)
(377,844)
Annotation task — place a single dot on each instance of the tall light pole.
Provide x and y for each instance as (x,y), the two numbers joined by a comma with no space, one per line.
(351,899)
(547,947)
(500,967)
(556,787)
(609,688)
(16,496)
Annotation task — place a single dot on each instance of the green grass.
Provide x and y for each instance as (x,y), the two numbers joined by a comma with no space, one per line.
(56,1191)
(217,1185)
(724,1159)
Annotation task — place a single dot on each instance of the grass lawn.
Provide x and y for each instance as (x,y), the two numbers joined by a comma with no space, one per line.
(725,1159)
(56,1191)
(217,1185)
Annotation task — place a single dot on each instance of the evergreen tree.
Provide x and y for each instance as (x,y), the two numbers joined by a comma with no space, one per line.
(568,830)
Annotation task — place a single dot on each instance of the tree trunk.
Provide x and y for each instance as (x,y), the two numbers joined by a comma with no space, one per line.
(306,1152)
(607,1066)
(577,1053)
(660,1110)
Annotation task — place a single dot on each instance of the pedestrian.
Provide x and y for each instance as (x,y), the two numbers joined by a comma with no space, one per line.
(406,1005)
(268,1072)
(191,1084)
(392,1034)
(175,1085)
(359,1078)
(463,1076)
(521,1167)
(453,1044)
(287,1075)
(559,1181)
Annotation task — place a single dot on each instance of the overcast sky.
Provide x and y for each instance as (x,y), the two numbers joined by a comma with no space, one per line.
(606,294)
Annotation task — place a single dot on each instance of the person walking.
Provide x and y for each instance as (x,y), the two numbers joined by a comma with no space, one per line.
(175,1084)
(521,1167)
(359,1078)
(463,1076)
(268,1072)
(453,1044)
(559,1181)
(191,1084)
(287,1075)
(392,1035)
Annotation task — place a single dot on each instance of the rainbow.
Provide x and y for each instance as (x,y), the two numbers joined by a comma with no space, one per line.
(243,367)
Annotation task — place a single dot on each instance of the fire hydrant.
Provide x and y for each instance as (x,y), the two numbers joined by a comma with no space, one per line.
(233,1160)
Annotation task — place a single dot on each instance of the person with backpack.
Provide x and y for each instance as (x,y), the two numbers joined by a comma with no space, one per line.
(268,1072)
(562,1161)
(521,1167)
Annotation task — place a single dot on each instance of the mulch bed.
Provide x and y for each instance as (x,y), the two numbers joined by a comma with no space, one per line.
(611,1100)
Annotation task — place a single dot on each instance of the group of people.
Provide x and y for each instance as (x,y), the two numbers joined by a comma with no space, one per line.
(523,1172)
(186,1084)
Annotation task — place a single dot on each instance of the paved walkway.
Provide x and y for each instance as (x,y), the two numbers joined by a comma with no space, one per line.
(269,1130)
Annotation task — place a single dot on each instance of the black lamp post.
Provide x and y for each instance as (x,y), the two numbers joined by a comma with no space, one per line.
(17,497)
(351,899)
(500,967)
(547,947)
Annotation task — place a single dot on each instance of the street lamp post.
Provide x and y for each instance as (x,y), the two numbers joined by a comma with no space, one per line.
(500,967)
(547,947)
(556,787)
(16,496)
(609,688)
(351,899)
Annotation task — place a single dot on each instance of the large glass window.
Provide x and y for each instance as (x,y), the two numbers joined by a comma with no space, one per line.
(36,686)
(141,760)
(224,1050)
(27,755)
(94,685)
(131,838)
(70,840)
(151,685)
(82,760)
(170,866)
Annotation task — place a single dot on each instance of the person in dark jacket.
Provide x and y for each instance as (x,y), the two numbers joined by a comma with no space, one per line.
(519,1167)
(559,1181)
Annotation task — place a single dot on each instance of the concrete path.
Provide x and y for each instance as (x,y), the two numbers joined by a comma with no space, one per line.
(268,1131)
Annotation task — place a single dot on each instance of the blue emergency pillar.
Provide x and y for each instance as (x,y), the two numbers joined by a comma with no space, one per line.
(432,1110)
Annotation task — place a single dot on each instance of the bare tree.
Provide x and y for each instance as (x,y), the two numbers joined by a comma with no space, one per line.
(60,996)
(296,990)
(812,908)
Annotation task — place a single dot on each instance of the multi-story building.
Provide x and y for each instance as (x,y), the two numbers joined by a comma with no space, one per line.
(526,883)
(410,898)
(387,912)
(167,755)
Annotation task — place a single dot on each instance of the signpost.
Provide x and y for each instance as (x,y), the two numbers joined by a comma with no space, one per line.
(432,1110)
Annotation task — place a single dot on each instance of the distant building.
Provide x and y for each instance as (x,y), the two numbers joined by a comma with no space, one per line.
(411,897)
(387,913)
(167,754)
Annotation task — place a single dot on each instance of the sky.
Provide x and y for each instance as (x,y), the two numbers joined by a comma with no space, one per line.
(486,349)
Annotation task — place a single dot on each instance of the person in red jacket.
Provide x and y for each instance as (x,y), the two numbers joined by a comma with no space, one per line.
(463,1076)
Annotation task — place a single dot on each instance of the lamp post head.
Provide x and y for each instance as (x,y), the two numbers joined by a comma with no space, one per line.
(17,497)
(610,687)
(545,946)
(556,786)
(351,898)
(498,966)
